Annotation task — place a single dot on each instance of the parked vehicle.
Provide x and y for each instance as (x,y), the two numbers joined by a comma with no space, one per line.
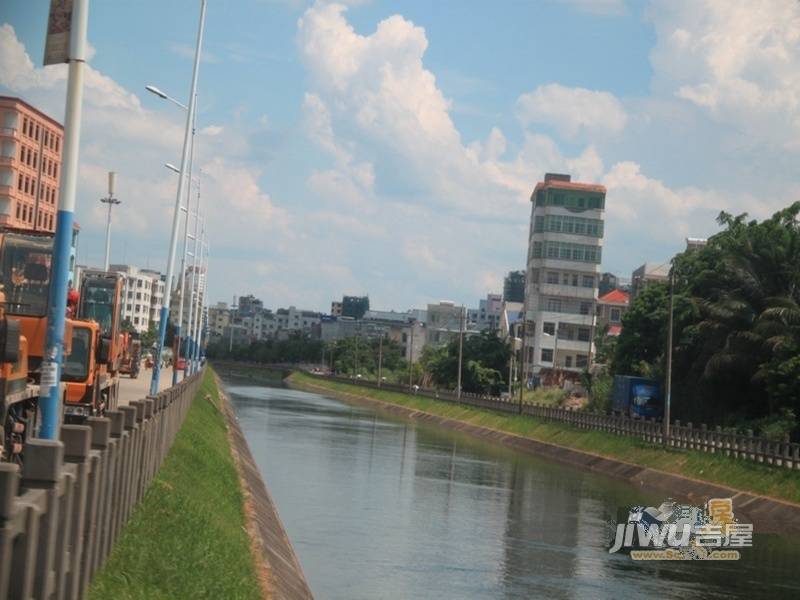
(131,356)
(637,397)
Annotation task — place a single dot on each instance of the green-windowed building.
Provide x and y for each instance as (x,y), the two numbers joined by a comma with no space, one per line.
(565,249)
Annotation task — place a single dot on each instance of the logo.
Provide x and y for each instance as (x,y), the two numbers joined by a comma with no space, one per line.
(682,532)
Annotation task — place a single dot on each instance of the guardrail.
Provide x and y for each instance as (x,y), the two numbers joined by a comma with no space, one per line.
(60,517)
(702,438)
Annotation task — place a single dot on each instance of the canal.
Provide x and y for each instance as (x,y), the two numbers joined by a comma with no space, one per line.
(380,508)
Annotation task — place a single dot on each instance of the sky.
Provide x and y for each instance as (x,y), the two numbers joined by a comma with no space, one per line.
(390,148)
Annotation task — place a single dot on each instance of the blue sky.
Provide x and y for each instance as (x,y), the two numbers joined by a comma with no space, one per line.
(390,148)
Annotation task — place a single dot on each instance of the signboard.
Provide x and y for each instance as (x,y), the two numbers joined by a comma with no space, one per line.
(56,48)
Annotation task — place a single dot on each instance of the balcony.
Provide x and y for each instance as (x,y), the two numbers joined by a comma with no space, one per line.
(567,291)
(9,132)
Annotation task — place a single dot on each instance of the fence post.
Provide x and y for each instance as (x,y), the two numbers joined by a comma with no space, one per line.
(77,441)
(9,487)
(43,462)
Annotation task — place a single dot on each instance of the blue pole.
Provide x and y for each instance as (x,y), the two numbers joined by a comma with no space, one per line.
(173,241)
(49,388)
(178,353)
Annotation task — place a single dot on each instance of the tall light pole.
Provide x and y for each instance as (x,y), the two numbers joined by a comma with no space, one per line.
(202,304)
(194,296)
(462,318)
(668,385)
(411,354)
(111,201)
(380,358)
(173,242)
(50,368)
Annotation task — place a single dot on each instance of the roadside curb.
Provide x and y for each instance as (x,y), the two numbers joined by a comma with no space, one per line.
(769,515)
(279,571)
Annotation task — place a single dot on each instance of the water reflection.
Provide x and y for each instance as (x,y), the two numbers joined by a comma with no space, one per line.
(378,508)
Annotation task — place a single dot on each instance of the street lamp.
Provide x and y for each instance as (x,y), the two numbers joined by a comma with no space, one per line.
(173,241)
(154,90)
(111,201)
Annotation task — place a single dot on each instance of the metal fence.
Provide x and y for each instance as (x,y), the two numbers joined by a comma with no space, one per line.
(702,438)
(60,516)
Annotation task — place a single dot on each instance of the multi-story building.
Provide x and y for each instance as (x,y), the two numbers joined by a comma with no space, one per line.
(219,317)
(140,295)
(611,307)
(30,166)
(564,254)
(355,306)
(489,312)
(294,320)
(336,309)
(646,274)
(514,286)
(444,322)
(156,295)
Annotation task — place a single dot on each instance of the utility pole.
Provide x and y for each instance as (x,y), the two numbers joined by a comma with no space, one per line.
(380,358)
(522,358)
(355,357)
(111,201)
(50,368)
(460,350)
(668,386)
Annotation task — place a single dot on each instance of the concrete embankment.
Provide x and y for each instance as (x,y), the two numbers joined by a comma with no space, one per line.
(767,514)
(281,574)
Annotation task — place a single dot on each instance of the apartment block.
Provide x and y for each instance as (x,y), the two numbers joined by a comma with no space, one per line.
(30,166)
(564,255)
(142,296)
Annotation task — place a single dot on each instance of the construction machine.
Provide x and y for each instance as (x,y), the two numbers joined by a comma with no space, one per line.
(91,373)
(131,355)
(25,268)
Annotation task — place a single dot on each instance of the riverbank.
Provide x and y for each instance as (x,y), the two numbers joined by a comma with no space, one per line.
(767,495)
(188,537)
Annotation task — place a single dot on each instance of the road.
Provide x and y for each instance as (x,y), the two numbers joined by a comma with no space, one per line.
(137,389)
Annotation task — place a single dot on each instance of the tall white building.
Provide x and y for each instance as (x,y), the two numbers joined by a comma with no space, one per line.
(564,254)
(142,295)
(188,298)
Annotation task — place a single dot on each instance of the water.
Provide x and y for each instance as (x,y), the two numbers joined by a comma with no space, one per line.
(378,508)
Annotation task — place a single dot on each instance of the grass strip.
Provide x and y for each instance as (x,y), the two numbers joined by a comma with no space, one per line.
(776,482)
(187,538)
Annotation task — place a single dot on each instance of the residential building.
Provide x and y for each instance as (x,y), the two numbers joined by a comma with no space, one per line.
(444,322)
(141,299)
(337,328)
(355,306)
(608,282)
(648,273)
(514,286)
(564,255)
(249,305)
(219,317)
(336,309)
(611,307)
(294,320)
(489,312)
(157,290)
(695,243)
(31,145)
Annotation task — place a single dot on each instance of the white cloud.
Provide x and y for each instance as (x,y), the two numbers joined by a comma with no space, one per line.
(735,59)
(212,130)
(572,111)
(187,51)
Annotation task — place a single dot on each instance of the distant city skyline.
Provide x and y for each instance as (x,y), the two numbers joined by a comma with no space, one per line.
(368,149)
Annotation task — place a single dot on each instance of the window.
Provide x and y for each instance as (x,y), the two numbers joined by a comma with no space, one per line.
(21,182)
(537,249)
(575,280)
(615,315)
(554,305)
(549,328)
(552,277)
(18,209)
(568,362)
(588,281)
(581,361)
(135,320)
(586,308)
(538,224)
(547,355)
(584,334)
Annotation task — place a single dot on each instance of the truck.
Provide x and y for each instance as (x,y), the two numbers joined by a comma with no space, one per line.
(637,397)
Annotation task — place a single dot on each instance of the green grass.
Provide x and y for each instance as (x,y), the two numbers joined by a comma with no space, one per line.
(742,475)
(187,538)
